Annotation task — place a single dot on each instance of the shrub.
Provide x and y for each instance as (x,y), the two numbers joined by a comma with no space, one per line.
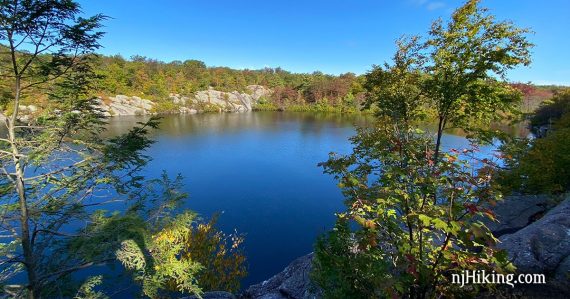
(414,222)
(157,264)
(207,107)
(343,272)
(164,252)
(541,165)
(264,105)
(185,256)
(220,254)
(538,166)
(165,106)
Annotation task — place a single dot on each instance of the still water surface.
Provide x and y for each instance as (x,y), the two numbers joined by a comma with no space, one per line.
(260,170)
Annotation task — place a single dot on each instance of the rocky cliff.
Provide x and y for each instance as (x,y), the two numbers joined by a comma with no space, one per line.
(124,105)
(204,100)
(212,99)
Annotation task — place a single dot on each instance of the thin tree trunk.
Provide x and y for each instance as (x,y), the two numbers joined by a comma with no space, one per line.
(440,127)
(22,201)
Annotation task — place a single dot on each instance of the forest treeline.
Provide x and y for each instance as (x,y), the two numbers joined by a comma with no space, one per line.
(155,79)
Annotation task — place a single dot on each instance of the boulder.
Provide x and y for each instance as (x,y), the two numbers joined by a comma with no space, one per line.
(245,100)
(516,212)
(258,91)
(227,101)
(178,100)
(26,118)
(543,246)
(28,109)
(125,105)
(142,103)
(102,107)
(125,109)
(231,101)
(25,113)
(32,108)
(291,283)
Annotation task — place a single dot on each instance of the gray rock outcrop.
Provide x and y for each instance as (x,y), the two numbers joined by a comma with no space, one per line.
(125,105)
(178,99)
(232,101)
(291,283)
(227,101)
(26,113)
(29,108)
(258,91)
(186,110)
(221,101)
(516,212)
(544,246)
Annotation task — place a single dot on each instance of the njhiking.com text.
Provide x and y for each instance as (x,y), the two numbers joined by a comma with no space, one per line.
(467,277)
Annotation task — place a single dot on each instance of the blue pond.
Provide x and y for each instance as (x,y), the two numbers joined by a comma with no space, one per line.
(260,170)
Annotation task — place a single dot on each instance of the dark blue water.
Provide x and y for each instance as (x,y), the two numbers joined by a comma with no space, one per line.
(259,169)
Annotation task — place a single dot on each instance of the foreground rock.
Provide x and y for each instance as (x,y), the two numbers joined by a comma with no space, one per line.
(544,247)
(291,283)
(516,212)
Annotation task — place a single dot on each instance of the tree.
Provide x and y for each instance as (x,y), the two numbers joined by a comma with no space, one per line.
(467,59)
(58,172)
(413,211)
(53,160)
(396,89)
(458,71)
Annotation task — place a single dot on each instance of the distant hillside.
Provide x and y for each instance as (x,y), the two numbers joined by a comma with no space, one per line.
(157,81)
(152,79)
(534,95)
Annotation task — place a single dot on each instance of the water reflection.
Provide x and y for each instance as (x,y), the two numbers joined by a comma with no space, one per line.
(179,125)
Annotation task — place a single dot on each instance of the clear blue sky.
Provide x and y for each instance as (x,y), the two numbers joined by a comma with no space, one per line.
(332,36)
